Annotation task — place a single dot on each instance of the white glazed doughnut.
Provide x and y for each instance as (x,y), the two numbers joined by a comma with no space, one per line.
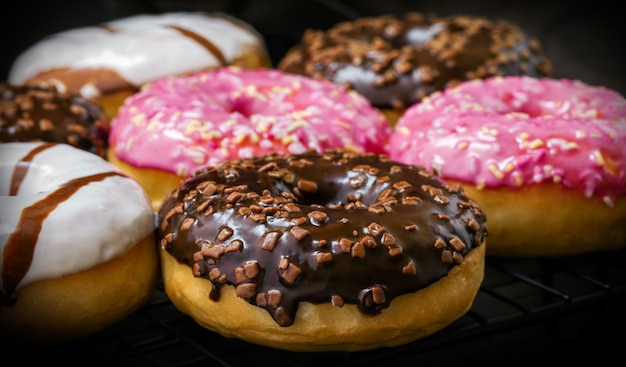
(77,243)
(115,58)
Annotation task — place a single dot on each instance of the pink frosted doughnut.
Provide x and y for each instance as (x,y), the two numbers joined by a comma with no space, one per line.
(176,125)
(540,155)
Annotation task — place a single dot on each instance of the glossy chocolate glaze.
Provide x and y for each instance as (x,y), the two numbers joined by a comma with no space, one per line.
(339,228)
(43,114)
(397,61)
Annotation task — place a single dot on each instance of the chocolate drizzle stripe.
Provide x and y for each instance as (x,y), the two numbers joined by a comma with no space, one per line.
(106,28)
(20,247)
(21,168)
(203,42)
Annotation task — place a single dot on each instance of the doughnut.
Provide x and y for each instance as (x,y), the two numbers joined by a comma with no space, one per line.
(78,251)
(335,251)
(545,158)
(37,113)
(107,62)
(395,61)
(176,125)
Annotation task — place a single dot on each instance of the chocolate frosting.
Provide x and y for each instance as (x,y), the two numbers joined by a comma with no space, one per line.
(43,114)
(397,61)
(339,227)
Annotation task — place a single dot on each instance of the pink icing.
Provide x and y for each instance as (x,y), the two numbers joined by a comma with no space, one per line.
(180,124)
(516,131)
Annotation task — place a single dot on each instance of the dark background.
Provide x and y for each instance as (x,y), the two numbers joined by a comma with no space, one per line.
(584,39)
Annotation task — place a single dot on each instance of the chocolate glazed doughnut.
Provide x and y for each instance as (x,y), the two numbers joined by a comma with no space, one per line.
(350,232)
(396,61)
(33,113)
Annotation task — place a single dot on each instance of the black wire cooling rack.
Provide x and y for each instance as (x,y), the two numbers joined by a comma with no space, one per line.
(561,309)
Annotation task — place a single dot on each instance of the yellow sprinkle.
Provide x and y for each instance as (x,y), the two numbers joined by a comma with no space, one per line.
(596,135)
(480,185)
(262,127)
(152,125)
(352,148)
(516,115)
(181,171)
(231,122)
(296,125)
(570,146)
(608,201)
(590,113)
(279,89)
(129,143)
(288,139)
(547,169)
(191,127)
(254,137)
(523,136)
(138,119)
(343,124)
(250,89)
(535,144)
(299,114)
(404,130)
(509,167)
(196,157)
(211,135)
(599,157)
(462,145)
(495,171)
(519,180)
(556,179)
(239,139)
(580,134)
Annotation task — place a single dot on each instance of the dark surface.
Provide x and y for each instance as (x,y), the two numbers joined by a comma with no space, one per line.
(529,311)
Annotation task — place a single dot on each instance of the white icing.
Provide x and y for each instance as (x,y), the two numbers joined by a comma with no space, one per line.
(142,48)
(99,222)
